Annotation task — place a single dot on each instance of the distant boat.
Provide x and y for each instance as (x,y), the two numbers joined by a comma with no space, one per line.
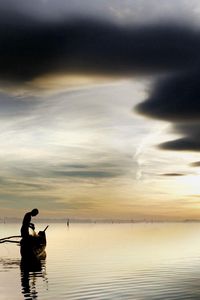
(34,246)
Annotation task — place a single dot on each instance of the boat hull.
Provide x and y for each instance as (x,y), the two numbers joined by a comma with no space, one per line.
(33,246)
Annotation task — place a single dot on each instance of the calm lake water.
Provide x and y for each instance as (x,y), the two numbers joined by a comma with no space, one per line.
(107,261)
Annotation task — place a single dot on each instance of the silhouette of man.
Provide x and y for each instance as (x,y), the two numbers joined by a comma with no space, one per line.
(27,223)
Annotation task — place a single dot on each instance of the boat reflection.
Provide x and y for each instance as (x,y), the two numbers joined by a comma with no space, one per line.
(30,272)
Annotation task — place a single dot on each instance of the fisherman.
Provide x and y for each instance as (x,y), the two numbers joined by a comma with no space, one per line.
(27,223)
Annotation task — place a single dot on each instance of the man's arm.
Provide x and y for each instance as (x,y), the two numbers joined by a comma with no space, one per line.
(32,226)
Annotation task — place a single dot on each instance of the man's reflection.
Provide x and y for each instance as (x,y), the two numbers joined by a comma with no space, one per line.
(30,271)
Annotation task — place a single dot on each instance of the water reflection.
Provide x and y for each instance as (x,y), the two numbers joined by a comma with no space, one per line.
(9,264)
(30,272)
(103,261)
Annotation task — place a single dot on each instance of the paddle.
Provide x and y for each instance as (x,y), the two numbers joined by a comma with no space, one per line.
(10,237)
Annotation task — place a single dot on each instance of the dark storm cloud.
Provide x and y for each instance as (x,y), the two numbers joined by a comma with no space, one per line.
(183,144)
(190,140)
(175,98)
(31,48)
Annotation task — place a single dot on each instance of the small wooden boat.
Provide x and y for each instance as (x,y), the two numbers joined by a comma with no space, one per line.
(34,246)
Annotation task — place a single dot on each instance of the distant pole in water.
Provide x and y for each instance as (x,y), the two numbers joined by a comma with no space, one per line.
(67,222)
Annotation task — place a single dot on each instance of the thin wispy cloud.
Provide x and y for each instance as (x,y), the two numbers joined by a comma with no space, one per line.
(172,174)
(195,164)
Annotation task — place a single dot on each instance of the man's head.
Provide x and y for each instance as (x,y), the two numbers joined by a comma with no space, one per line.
(34,212)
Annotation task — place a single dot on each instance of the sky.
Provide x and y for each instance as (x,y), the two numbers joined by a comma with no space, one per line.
(99,109)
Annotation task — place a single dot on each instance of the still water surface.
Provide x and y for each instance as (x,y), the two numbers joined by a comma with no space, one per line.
(106,261)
